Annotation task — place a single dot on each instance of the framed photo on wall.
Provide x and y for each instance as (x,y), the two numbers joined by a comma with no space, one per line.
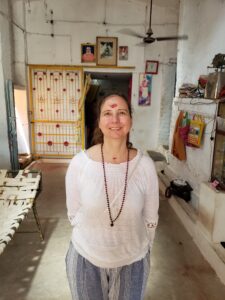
(123,52)
(88,53)
(151,67)
(106,51)
(145,89)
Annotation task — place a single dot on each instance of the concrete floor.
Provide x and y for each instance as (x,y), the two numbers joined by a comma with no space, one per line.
(35,270)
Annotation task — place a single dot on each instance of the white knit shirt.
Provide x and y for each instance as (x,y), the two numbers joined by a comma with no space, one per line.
(133,232)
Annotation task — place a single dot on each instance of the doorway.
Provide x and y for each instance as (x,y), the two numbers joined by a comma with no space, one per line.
(101,84)
(22,126)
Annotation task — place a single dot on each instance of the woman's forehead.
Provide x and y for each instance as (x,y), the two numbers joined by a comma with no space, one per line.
(115,102)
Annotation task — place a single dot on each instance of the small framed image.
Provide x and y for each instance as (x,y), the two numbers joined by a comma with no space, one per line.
(145,89)
(151,67)
(106,51)
(123,52)
(88,53)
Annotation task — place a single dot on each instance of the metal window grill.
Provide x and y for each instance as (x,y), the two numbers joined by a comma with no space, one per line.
(57,123)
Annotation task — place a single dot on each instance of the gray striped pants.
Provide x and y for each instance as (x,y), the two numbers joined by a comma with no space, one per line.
(89,282)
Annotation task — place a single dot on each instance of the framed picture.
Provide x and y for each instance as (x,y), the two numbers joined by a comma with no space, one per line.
(151,67)
(88,53)
(123,52)
(145,89)
(106,51)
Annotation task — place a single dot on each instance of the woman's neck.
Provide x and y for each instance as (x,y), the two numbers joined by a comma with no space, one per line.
(115,151)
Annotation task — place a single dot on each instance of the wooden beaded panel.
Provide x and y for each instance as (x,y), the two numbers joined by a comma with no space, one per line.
(57,124)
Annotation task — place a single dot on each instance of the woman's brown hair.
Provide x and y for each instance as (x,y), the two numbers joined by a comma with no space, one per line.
(98,136)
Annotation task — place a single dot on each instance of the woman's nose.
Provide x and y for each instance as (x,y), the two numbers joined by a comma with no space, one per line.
(115,118)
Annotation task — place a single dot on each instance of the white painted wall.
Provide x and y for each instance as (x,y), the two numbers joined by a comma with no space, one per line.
(204,22)
(5,73)
(165,22)
(77,22)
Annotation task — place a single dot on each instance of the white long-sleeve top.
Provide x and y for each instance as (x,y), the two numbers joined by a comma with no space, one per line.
(133,232)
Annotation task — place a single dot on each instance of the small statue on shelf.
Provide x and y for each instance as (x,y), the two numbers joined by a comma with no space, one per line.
(219,61)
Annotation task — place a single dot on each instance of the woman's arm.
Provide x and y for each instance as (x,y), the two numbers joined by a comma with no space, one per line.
(72,189)
(151,205)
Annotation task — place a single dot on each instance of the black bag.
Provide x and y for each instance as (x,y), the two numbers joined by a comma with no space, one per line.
(180,188)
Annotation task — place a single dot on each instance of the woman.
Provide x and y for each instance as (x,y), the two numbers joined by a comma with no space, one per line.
(112,202)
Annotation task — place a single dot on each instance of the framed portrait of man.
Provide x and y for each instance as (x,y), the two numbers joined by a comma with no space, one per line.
(88,53)
(106,51)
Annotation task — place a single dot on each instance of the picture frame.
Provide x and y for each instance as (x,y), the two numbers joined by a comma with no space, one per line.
(88,53)
(106,51)
(123,52)
(151,67)
(145,89)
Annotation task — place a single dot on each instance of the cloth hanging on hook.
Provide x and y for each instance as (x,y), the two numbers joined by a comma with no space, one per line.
(184,127)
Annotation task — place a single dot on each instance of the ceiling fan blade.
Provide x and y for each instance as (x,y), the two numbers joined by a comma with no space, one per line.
(130,32)
(141,44)
(167,38)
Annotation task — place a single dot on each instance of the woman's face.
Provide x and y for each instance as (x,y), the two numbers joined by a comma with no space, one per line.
(115,121)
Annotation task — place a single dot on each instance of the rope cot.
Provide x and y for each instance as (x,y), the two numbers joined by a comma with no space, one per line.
(18,191)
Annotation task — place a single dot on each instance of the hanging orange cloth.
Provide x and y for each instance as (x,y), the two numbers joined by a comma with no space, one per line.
(178,145)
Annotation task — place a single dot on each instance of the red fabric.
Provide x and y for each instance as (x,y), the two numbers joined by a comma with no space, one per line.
(178,145)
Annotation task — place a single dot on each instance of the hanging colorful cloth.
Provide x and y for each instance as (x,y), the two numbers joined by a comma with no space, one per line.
(197,125)
(178,144)
(184,127)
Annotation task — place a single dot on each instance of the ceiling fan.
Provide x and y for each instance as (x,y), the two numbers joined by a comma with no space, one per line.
(147,37)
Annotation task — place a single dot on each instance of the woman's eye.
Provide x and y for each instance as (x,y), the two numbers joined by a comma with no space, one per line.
(107,114)
(123,113)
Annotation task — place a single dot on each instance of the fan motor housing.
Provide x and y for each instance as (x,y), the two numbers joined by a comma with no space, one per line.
(149,40)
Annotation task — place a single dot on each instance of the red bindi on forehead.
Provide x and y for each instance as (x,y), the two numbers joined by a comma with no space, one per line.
(114,105)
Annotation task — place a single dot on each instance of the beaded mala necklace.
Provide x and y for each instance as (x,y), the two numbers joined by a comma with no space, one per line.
(106,188)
